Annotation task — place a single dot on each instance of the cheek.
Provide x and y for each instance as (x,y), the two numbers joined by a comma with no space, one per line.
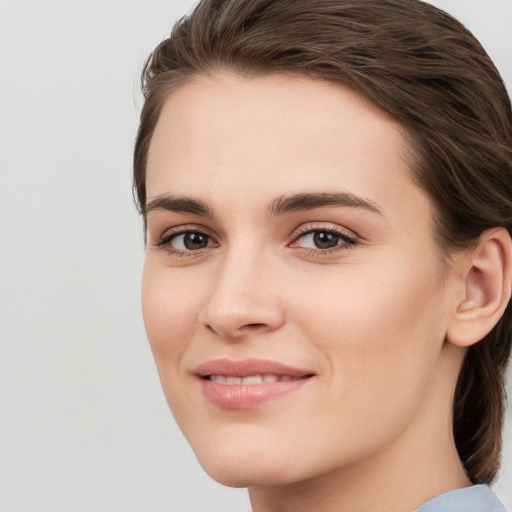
(167,312)
(382,328)
(371,304)
(170,311)
(380,340)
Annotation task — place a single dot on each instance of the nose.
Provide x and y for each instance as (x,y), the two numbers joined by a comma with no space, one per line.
(244,299)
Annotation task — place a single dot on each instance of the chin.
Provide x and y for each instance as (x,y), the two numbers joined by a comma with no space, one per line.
(230,478)
(232,475)
(246,468)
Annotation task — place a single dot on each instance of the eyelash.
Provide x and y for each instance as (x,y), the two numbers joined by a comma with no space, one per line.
(165,242)
(346,241)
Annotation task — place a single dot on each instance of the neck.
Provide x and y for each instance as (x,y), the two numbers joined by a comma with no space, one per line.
(417,466)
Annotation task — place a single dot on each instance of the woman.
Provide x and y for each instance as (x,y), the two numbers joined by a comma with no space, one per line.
(327,194)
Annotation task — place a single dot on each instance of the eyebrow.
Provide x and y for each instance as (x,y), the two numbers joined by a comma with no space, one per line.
(311,200)
(281,205)
(179,205)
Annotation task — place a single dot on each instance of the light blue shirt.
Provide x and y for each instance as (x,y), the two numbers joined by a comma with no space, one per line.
(477,498)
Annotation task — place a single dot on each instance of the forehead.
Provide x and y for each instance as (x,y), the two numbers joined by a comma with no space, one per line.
(275,134)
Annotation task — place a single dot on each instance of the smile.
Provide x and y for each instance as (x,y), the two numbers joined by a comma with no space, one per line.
(252,379)
(249,383)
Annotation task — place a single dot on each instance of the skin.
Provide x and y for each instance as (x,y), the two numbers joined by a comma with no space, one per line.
(372,428)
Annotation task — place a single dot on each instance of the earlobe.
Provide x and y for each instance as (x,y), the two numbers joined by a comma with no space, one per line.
(487,286)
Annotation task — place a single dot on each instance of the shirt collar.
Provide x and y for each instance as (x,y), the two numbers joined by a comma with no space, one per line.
(477,498)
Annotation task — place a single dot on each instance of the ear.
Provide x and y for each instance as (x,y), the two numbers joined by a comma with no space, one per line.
(486,285)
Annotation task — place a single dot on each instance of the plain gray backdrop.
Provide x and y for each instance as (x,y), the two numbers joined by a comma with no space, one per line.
(84,426)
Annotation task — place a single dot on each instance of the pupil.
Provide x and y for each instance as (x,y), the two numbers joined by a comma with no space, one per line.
(194,241)
(324,240)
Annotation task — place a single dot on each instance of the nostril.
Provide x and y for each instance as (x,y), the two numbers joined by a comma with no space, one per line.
(254,326)
(248,327)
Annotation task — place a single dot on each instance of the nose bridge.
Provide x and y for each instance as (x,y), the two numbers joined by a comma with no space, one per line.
(242,299)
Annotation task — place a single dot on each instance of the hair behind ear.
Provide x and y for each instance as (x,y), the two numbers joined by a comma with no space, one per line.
(479,402)
(485,313)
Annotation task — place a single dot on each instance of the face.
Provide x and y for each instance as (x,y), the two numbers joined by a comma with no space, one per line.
(292,292)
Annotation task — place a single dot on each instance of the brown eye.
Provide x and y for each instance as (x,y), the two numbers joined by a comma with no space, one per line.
(322,239)
(194,241)
(325,240)
(187,241)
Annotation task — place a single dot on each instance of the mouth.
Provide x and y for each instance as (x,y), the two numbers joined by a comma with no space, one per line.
(249,383)
(252,380)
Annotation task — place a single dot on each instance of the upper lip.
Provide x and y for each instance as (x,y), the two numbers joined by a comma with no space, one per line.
(247,367)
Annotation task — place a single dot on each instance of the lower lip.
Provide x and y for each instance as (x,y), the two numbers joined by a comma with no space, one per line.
(240,396)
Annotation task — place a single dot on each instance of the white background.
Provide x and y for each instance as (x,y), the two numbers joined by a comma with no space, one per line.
(83,422)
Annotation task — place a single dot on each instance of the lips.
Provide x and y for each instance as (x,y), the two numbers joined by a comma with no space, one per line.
(248,383)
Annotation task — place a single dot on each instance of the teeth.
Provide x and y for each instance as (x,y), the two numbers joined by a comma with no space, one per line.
(252,379)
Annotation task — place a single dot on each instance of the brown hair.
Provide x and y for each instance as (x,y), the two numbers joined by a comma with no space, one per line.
(424,68)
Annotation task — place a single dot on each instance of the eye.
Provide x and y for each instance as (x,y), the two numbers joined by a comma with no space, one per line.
(323,240)
(191,241)
(319,240)
(186,242)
